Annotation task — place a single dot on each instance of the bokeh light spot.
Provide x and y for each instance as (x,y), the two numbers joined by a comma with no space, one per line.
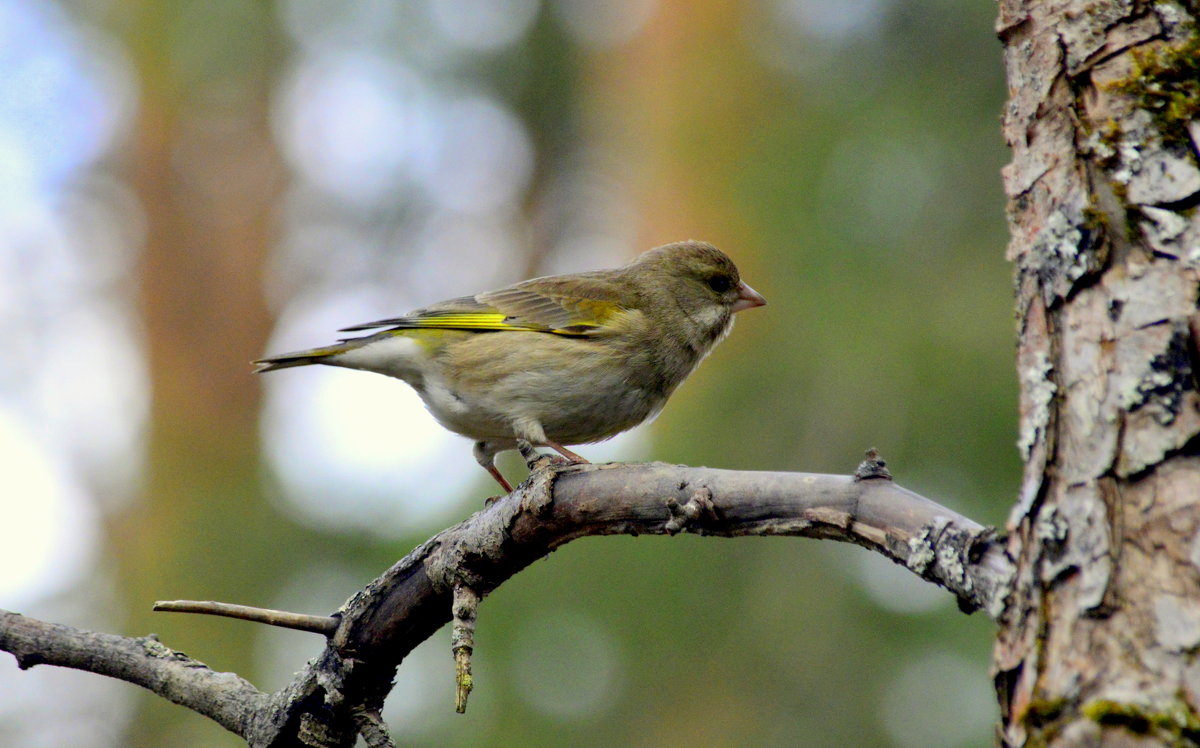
(66,91)
(834,20)
(896,588)
(484,25)
(604,23)
(352,122)
(49,541)
(568,665)
(938,700)
(482,160)
(885,182)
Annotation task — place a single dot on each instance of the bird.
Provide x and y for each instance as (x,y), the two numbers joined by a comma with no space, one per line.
(558,360)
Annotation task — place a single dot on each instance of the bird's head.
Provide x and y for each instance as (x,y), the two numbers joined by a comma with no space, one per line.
(699,276)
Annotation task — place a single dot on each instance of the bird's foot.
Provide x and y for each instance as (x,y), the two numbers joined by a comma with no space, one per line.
(535,460)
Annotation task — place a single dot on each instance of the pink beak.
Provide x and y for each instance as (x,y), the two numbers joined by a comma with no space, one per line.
(748,298)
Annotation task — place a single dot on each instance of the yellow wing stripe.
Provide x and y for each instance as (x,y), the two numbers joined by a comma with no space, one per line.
(482,321)
(472,321)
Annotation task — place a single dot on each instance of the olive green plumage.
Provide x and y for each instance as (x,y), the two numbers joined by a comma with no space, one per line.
(560,360)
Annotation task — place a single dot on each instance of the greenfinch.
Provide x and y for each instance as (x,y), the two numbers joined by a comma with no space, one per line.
(554,361)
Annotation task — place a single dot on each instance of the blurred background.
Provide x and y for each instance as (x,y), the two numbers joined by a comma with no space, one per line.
(186,185)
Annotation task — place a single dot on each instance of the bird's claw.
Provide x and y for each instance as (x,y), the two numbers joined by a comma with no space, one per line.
(557,461)
(536,460)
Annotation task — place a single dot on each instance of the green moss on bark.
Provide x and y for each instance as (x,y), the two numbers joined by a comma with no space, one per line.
(1166,82)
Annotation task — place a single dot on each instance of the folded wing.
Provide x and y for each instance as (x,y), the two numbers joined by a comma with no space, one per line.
(576,306)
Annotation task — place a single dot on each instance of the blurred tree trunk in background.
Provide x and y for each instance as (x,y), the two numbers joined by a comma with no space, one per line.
(208,178)
(1098,646)
(685,94)
(686,104)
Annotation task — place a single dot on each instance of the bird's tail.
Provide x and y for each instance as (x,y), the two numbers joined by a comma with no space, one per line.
(299,358)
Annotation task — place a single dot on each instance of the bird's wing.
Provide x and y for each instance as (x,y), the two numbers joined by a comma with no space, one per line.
(577,305)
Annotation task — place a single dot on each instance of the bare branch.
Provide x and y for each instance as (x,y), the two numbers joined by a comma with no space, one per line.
(414,598)
(340,693)
(223,697)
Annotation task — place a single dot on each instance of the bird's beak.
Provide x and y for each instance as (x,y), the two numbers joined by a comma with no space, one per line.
(748,298)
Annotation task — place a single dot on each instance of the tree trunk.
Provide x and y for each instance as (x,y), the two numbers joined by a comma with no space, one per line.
(207,177)
(1098,643)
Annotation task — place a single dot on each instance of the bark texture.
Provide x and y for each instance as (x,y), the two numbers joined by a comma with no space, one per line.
(1098,644)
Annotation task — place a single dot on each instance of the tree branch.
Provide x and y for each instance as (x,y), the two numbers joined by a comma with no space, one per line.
(377,627)
(144,661)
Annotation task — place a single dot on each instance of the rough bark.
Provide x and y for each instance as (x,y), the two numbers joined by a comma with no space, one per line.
(1098,644)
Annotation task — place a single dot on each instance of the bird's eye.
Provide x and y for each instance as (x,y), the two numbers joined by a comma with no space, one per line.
(720,283)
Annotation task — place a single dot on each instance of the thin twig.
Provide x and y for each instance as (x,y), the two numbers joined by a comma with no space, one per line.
(324,625)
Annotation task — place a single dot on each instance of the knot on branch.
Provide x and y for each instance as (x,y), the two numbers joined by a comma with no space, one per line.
(26,660)
(698,511)
(872,467)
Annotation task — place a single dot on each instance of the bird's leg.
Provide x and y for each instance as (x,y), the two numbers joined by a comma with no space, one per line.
(531,431)
(499,478)
(574,458)
(528,453)
(485,455)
